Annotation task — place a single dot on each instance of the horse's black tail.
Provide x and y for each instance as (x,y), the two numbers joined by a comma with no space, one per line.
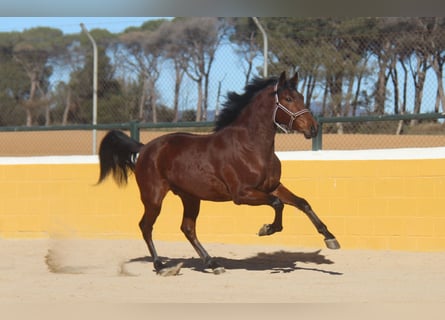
(117,155)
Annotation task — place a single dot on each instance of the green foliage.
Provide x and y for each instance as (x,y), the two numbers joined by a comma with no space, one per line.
(188,115)
(165,114)
(350,62)
(112,108)
(108,91)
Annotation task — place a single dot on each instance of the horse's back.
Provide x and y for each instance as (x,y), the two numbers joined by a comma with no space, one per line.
(172,145)
(210,166)
(186,162)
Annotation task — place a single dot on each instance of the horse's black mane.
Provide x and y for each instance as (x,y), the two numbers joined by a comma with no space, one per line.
(237,102)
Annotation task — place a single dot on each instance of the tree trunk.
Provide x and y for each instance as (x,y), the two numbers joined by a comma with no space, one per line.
(357,94)
(28,117)
(325,98)
(349,95)
(395,83)
(32,93)
(310,89)
(178,80)
(67,108)
(437,102)
(47,115)
(206,85)
(45,103)
(404,91)
(143,97)
(438,70)
(419,81)
(206,97)
(199,104)
(335,84)
(152,100)
(380,92)
(405,87)
(250,57)
(218,95)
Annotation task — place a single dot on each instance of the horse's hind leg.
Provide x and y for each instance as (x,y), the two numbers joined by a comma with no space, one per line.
(288,197)
(277,224)
(188,227)
(146,226)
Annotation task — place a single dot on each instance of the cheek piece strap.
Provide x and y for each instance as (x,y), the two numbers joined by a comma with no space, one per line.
(292,115)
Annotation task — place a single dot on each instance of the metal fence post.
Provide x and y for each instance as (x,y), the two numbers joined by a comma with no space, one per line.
(95,66)
(317,140)
(265,45)
(134,130)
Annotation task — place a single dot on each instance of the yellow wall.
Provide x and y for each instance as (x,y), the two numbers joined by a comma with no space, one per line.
(369,204)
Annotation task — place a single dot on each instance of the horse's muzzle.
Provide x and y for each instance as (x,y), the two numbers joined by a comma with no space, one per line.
(311,133)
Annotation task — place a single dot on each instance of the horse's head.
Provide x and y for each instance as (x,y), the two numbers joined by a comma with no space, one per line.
(290,112)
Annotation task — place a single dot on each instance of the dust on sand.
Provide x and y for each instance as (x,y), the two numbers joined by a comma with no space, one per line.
(79,270)
(114,279)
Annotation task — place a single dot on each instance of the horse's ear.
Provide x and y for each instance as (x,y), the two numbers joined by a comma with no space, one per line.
(282,79)
(294,80)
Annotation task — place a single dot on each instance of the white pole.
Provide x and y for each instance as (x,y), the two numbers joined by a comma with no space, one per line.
(94,85)
(258,24)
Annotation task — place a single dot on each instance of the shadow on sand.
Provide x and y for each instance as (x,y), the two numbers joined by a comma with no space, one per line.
(275,262)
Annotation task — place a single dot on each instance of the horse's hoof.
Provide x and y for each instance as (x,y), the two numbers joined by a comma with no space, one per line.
(265,230)
(268,229)
(171,271)
(332,243)
(219,270)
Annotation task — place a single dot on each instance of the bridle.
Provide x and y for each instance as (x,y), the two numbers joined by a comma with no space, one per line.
(292,115)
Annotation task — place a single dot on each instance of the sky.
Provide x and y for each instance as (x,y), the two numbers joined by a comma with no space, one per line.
(224,8)
(226,67)
(70,25)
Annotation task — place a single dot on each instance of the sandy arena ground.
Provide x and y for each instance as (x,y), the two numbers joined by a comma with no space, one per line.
(56,276)
(119,271)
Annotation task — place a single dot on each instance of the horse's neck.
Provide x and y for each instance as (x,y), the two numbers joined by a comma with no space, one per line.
(257,120)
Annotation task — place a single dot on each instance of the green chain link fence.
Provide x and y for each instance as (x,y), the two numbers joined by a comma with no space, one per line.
(372,82)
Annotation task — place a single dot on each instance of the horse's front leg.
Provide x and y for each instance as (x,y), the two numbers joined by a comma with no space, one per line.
(288,197)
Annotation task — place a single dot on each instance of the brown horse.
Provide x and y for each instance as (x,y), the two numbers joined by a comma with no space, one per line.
(234,163)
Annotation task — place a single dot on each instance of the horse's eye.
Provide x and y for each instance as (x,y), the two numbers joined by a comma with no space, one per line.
(288,99)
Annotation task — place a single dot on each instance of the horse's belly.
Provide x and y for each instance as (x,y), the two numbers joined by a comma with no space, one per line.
(210,189)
